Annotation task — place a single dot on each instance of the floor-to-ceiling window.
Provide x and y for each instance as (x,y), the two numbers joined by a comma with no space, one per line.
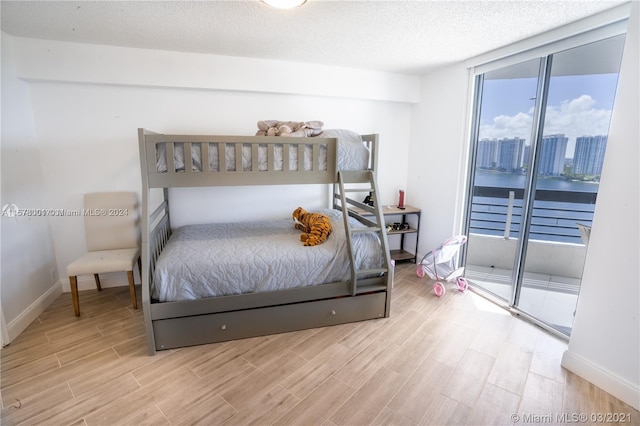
(538,143)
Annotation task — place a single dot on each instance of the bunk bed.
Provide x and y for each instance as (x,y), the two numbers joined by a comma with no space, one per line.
(190,296)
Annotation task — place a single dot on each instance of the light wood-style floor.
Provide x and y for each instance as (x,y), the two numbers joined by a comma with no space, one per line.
(454,360)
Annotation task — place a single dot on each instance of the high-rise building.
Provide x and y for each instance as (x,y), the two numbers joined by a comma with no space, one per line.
(487,149)
(589,155)
(510,152)
(526,156)
(552,154)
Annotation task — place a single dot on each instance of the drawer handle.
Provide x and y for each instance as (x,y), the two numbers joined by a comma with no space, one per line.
(333,312)
(223,327)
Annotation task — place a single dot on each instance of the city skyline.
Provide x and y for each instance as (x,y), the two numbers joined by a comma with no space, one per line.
(577,105)
(512,154)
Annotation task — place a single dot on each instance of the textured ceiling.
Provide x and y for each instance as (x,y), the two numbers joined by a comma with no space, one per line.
(399,36)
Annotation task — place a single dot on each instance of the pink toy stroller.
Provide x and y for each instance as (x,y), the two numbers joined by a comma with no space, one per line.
(440,265)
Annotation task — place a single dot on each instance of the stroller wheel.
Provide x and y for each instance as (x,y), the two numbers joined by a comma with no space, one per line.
(420,271)
(462,283)
(438,288)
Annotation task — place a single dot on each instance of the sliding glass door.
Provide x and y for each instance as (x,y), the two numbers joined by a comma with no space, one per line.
(539,139)
(503,130)
(581,90)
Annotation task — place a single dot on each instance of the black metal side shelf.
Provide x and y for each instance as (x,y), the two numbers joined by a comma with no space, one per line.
(401,254)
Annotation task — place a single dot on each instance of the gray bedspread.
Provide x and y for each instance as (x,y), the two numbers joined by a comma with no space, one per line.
(224,259)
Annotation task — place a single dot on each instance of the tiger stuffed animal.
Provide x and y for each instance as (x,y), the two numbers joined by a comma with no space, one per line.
(315,227)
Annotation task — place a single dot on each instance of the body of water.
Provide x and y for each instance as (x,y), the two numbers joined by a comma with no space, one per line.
(511,180)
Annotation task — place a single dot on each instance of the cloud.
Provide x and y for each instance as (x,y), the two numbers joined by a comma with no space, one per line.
(505,126)
(577,117)
(573,118)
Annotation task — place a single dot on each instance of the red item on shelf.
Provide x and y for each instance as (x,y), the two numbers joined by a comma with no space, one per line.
(401,200)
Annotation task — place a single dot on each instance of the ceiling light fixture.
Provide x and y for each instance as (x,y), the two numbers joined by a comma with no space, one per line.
(284,4)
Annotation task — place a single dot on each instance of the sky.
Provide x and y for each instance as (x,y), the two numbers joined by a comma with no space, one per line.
(577,105)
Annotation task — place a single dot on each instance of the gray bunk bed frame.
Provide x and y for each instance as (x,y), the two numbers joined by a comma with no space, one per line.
(367,295)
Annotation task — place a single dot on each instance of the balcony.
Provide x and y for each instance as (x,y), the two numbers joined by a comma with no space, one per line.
(555,253)
(556,214)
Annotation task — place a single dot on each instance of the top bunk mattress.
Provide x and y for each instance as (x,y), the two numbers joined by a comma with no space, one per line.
(352,155)
(212,260)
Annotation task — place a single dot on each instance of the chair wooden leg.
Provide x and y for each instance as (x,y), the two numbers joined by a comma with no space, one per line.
(97,278)
(73,280)
(132,290)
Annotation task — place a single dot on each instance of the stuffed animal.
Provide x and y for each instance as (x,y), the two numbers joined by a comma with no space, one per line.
(289,128)
(315,227)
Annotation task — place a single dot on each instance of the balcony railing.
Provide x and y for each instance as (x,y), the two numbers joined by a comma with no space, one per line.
(555,217)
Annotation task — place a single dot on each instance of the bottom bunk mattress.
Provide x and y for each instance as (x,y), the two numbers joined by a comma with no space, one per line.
(212,260)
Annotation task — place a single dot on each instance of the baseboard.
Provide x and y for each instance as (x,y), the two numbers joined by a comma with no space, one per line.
(26,317)
(5,332)
(616,386)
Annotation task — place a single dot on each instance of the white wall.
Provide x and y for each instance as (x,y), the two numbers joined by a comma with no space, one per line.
(94,64)
(437,161)
(605,341)
(27,257)
(87,113)
(604,346)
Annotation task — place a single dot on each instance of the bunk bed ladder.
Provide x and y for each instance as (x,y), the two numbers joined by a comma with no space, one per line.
(362,212)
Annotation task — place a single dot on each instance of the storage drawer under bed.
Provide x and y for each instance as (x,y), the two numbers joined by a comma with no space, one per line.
(210,328)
